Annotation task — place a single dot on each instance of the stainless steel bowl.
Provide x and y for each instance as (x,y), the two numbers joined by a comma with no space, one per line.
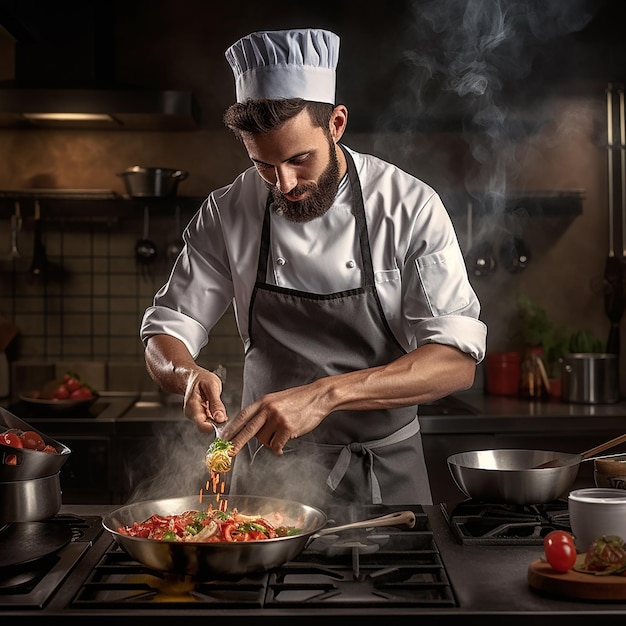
(507,476)
(23,464)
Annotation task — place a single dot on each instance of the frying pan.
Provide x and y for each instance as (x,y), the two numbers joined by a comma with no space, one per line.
(226,558)
(512,476)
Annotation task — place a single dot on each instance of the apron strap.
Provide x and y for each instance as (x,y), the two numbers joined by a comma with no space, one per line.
(343,462)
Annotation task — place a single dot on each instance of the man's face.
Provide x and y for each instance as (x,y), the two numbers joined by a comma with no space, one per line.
(299,164)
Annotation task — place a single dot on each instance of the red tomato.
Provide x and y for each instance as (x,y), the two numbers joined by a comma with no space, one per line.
(82,393)
(33,440)
(61,393)
(72,383)
(11,439)
(50,450)
(560,550)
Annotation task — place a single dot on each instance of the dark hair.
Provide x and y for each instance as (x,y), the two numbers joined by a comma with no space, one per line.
(263,116)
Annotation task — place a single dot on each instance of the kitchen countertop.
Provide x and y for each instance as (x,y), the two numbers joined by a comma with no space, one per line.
(489,582)
(506,413)
(469,421)
(469,412)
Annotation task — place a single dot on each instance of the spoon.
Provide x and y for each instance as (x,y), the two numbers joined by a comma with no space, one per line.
(40,261)
(583,455)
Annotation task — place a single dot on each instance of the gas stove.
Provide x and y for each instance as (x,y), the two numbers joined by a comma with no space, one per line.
(30,575)
(481,523)
(389,566)
(365,568)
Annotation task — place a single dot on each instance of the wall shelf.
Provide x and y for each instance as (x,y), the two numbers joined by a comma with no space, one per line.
(519,203)
(89,204)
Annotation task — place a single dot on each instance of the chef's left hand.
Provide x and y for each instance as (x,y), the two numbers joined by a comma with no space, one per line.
(277,417)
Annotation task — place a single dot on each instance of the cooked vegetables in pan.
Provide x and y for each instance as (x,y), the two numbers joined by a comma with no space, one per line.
(210,526)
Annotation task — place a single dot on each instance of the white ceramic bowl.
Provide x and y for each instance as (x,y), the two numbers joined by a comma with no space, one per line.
(596,512)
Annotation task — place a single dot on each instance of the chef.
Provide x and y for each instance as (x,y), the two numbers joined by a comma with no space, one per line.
(349,288)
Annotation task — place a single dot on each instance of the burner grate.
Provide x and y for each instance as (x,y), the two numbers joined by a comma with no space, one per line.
(117,581)
(482,523)
(391,586)
(31,585)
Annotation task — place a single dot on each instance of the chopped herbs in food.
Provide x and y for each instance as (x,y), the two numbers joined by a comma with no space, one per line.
(218,457)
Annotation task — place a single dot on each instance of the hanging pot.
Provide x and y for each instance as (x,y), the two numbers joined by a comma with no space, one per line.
(152,182)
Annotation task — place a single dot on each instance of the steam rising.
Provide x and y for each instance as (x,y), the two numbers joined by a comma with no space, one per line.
(461,55)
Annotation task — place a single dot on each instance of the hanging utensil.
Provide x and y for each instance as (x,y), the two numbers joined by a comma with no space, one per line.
(514,252)
(173,250)
(16,226)
(480,259)
(145,248)
(40,261)
(614,297)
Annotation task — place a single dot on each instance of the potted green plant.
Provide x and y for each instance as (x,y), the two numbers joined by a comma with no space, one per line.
(538,331)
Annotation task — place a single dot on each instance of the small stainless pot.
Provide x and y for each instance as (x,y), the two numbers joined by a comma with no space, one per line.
(590,378)
(30,500)
(152,182)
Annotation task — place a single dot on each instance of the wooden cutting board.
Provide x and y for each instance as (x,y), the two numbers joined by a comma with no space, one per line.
(575,584)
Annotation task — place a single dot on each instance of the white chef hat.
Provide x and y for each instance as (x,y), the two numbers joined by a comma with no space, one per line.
(285,64)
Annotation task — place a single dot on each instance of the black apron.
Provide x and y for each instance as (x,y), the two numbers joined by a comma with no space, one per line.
(297,337)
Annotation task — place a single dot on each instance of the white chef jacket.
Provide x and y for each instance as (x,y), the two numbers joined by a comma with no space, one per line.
(420,274)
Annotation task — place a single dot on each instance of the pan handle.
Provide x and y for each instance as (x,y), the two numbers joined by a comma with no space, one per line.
(393,519)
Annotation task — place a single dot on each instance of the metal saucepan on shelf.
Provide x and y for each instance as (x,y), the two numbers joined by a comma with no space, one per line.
(152,182)
(230,558)
(513,477)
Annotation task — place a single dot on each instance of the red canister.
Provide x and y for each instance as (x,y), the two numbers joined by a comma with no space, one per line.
(502,373)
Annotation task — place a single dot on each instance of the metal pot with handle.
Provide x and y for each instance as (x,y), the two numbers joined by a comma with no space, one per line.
(152,182)
(230,558)
(519,476)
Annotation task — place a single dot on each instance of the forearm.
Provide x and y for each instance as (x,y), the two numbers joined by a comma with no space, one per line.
(169,363)
(423,375)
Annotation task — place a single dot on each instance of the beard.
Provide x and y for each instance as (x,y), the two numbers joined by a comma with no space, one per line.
(321,197)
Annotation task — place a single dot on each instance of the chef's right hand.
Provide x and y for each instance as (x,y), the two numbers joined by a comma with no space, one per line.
(202,400)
